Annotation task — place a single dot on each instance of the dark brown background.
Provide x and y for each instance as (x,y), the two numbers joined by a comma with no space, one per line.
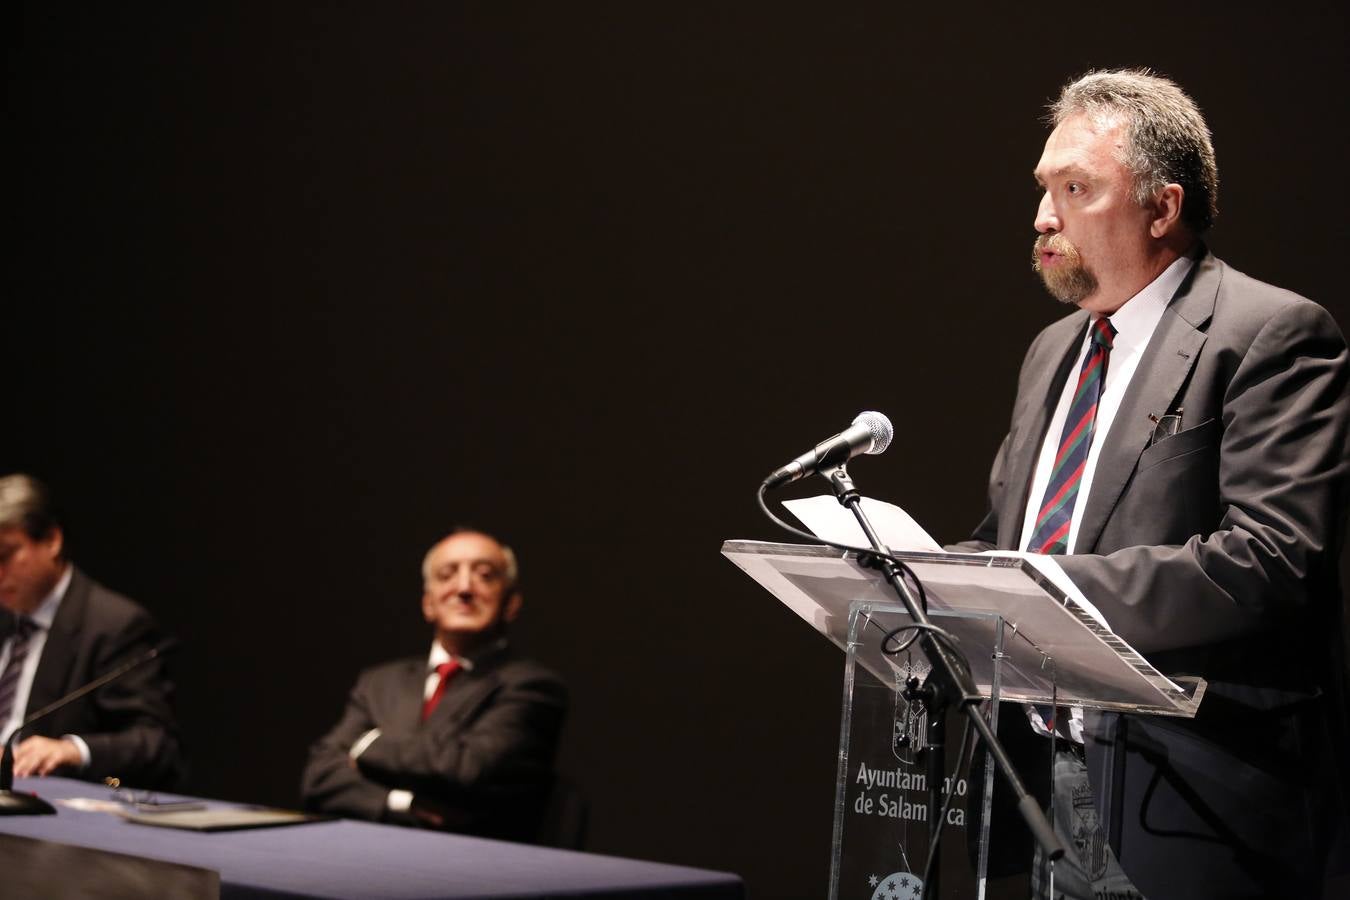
(294,287)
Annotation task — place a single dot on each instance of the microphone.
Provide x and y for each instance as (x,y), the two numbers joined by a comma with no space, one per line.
(871,432)
(15,804)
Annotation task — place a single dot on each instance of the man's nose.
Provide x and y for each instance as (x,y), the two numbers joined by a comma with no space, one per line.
(1046,220)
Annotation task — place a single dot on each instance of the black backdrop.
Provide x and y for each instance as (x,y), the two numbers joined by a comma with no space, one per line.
(294,287)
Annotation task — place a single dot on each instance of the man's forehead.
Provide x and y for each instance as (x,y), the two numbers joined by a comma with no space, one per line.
(1051,172)
(468,548)
(1080,145)
(13,534)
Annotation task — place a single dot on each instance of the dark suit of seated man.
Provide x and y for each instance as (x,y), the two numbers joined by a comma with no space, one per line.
(462,739)
(61,631)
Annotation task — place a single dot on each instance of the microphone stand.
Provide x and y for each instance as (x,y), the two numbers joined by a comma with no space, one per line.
(949,681)
(19,804)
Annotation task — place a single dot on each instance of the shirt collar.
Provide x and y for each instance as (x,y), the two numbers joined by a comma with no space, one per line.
(440,655)
(46,610)
(1135,320)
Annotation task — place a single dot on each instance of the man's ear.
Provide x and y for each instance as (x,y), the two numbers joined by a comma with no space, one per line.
(428,608)
(55,542)
(513,604)
(1167,210)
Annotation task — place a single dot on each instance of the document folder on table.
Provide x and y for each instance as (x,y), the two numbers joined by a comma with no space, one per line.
(225,819)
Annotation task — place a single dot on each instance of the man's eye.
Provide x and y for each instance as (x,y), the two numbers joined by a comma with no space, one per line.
(1073,187)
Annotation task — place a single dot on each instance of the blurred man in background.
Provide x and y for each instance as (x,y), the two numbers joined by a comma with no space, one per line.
(462,738)
(60,631)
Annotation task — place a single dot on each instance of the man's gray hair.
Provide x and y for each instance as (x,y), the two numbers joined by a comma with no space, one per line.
(26,503)
(512,566)
(1166,138)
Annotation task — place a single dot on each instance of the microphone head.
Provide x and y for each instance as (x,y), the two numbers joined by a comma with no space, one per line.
(880,427)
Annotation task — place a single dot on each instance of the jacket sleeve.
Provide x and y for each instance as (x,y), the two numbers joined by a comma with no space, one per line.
(134,735)
(329,783)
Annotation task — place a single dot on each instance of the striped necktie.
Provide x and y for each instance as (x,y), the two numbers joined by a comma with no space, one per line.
(1051,534)
(18,652)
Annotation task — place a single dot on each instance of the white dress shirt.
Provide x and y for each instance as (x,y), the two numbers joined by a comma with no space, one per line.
(1134,323)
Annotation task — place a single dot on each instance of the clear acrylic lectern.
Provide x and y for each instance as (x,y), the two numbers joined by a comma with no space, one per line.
(1024,639)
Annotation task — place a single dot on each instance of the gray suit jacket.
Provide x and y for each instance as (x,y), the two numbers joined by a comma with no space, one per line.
(484,758)
(129,725)
(1214,552)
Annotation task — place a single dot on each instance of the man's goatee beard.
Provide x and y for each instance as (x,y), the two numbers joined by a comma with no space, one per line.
(1068,282)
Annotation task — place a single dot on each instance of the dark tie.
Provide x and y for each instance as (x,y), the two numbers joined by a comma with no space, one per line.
(446,670)
(9,679)
(1051,532)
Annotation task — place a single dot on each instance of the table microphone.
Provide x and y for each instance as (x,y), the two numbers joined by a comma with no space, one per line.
(17,804)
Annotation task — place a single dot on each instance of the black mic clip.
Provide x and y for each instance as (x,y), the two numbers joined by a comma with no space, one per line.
(841,483)
(869,560)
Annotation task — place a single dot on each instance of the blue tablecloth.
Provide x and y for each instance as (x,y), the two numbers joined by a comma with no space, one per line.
(346,859)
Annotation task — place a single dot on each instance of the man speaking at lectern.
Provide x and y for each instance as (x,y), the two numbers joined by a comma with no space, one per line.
(1182,439)
(461,739)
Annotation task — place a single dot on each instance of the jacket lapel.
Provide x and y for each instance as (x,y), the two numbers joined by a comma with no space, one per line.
(465,692)
(1157,382)
(406,697)
(52,679)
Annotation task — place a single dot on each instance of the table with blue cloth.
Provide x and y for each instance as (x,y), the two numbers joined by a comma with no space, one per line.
(337,859)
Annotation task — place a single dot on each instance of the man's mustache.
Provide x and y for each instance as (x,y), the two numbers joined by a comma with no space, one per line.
(1055,243)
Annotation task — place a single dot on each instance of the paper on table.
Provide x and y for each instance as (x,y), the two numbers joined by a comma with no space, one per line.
(89,804)
(828,520)
(226,818)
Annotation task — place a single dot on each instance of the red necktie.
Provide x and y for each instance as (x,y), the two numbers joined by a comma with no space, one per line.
(1051,534)
(1055,518)
(447,671)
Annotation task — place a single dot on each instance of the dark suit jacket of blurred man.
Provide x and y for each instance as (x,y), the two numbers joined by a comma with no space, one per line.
(128,725)
(483,758)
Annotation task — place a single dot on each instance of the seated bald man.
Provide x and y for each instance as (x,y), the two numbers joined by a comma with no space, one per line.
(462,738)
